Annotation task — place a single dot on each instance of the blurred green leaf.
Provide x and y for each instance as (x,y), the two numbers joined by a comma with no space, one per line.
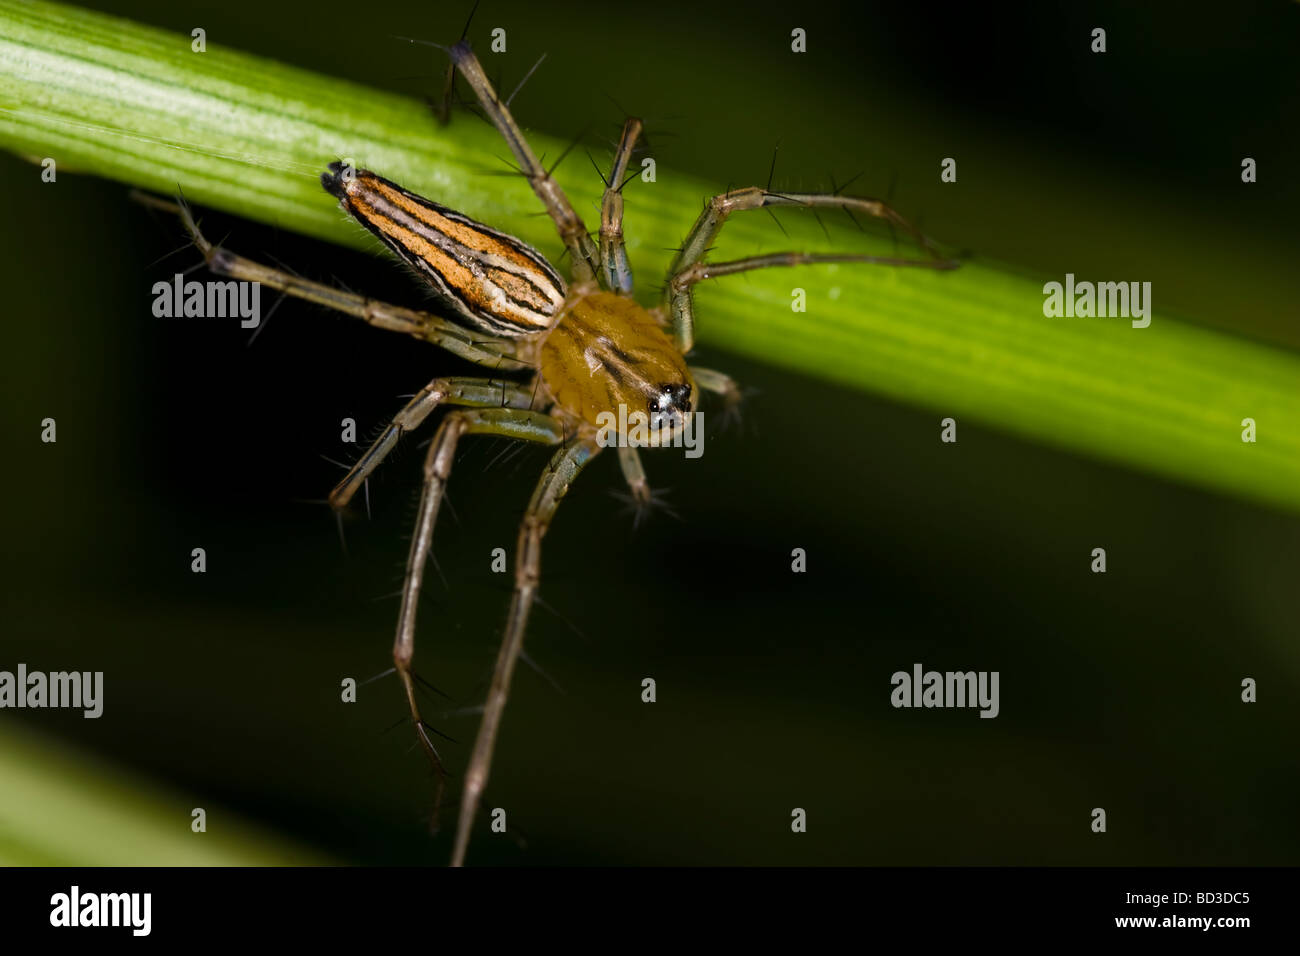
(63,808)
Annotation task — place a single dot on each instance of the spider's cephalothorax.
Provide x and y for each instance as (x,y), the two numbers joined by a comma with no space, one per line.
(604,353)
(581,351)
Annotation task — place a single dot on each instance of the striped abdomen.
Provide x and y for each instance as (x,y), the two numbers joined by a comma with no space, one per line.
(492,280)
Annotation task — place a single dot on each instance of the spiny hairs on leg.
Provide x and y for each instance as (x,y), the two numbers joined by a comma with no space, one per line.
(497,354)
(586,257)
(616,271)
(690,265)
(577,241)
(515,423)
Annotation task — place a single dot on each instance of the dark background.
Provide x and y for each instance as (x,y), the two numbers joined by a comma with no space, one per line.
(1118,690)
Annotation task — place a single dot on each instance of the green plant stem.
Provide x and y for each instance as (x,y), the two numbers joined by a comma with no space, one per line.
(250,136)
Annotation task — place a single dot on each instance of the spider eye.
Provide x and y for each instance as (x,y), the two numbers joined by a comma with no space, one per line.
(671,397)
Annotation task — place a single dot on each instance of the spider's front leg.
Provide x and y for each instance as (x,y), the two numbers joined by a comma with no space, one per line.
(613,254)
(505,422)
(586,257)
(551,488)
(689,268)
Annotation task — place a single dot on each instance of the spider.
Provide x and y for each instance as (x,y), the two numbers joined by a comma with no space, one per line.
(582,350)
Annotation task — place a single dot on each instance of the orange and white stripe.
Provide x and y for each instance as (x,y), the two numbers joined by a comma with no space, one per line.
(494,281)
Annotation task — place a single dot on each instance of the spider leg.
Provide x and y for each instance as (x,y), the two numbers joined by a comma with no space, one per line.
(551,488)
(634,474)
(629,459)
(680,284)
(586,257)
(617,273)
(643,499)
(470,392)
(688,266)
(506,422)
(719,382)
(423,325)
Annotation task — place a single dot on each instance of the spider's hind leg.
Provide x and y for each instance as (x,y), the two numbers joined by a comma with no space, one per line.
(494,354)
